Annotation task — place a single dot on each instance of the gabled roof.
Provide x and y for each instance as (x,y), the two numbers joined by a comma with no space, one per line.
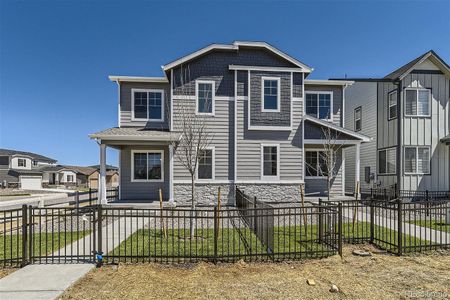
(235,46)
(38,157)
(82,170)
(361,137)
(401,72)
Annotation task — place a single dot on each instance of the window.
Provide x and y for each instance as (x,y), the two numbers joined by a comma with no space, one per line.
(316,164)
(417,160)
(387,161)
(69,178)
(270,161)
(206,164)
(392,112)
(21,162)
(148,105)
(417,102)
(358,118)
(35,163)
(205,97)
(147,165)
(319,104)
(271,94)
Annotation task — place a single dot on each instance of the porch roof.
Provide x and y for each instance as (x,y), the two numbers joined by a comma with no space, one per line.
(360,137)
(135,134)
(446,139)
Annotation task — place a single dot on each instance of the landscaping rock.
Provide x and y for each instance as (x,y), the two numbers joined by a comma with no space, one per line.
(359,252)
(311,282)
(334,288)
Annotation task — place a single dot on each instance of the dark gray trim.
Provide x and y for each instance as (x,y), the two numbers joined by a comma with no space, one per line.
(439,72)
(399,134)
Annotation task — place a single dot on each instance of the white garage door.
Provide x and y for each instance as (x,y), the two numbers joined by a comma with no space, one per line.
(31,182)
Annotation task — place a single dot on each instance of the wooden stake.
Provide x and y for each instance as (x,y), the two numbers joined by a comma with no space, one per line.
(163,227)
(219,203)
(302,197)
(355,211)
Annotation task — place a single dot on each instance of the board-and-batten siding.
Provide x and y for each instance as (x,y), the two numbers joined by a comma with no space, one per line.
(125,104)
(364,95)
(141,190)
(337,99)
(427,131)
(219,127)
(249,146)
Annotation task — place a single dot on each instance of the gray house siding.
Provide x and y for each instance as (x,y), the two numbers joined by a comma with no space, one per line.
(259,118)
(337,99)
(125,104)
(142,190)
(364,95)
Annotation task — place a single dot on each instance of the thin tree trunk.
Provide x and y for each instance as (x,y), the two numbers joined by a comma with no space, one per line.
(191,225)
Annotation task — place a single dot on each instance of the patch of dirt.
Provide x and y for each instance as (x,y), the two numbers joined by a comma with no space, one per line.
(6,272)
(381,276)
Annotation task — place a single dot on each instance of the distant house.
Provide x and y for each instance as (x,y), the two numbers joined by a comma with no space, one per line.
(23,169)
(58,175)
(88,176)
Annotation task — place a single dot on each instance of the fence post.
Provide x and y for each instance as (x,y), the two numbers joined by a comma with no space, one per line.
(30,233)
(372,221)
(340,229)
(77,201)
(90,196)
(216,237)
(24,235)
(399,229)
(320,221)
(384,194)
(255,217)
(99,233)
(371,193)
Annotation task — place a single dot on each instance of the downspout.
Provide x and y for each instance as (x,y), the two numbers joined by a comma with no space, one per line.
(119,124)
(398,82)
(118,102)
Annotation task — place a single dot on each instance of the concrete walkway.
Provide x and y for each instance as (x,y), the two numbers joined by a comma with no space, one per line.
(41,281)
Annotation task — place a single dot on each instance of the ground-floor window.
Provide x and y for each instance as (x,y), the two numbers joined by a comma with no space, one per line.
(70,178)
(417,160)
(315,164)
(206,164)
(270,160)
(147,165)
(387,161)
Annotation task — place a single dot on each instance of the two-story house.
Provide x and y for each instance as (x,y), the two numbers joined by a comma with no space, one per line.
(407,113)
(266,116)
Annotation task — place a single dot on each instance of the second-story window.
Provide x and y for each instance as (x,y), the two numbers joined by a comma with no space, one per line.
(205,97)
(358,118)
(271,94)
(417,102)
(319,104)
(148,105)
(21,162)
(392,112)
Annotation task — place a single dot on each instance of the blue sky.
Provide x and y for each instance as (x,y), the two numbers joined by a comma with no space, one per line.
(55,56)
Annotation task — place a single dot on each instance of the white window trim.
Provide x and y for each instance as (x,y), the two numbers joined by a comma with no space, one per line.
(133,118)
(378,160)
(147,152)
(278,80)
(417,160)
(24,162)
(265,177)
(389,106)
(417,102)
(331,103)
(317,150)
(356,119)
(213,97)
(213,166)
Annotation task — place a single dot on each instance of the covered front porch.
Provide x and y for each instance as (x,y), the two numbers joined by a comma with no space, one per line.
(323,137)
(145,164)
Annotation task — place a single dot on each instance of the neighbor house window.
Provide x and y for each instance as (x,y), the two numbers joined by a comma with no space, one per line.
(392,112)
(358,118)
(69,178)
(270,161)
(35,163)
(205,97)
(316,164)
(206,164)
(271,94)
(148,105)
(319,104)
(417,102)
(387,161)
(147,165)
(21,162)
(417,160)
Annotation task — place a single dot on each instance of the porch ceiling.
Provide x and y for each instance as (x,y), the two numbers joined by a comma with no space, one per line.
(131,135)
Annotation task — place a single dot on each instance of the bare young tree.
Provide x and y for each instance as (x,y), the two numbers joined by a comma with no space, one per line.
(195,137)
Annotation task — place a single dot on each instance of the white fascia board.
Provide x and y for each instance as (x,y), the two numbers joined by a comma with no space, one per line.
(138,79)
(441,66)
(268,68)
(328,82)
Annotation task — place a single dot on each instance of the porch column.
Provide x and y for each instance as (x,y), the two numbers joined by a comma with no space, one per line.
(171,173)
(357,169)
(102,179)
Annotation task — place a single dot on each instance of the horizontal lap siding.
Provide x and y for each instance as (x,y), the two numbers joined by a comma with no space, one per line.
(141,190)
(219,127)
(387,130)
(428,132)
(125,104)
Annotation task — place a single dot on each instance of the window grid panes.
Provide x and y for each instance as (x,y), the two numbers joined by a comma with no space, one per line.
(318,105)
(392,106)
(148,105)
(417,160)
(21,162)
(205,97)
(205,164)
(147,166)
(155,105)
(387,161)
(270,163)
(316,164)
(270,94)
(417,102)
(358,119)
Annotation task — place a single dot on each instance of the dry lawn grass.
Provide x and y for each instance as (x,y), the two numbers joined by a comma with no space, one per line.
(381,276)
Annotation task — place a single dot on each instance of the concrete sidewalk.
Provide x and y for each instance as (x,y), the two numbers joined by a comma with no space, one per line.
(41,281)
